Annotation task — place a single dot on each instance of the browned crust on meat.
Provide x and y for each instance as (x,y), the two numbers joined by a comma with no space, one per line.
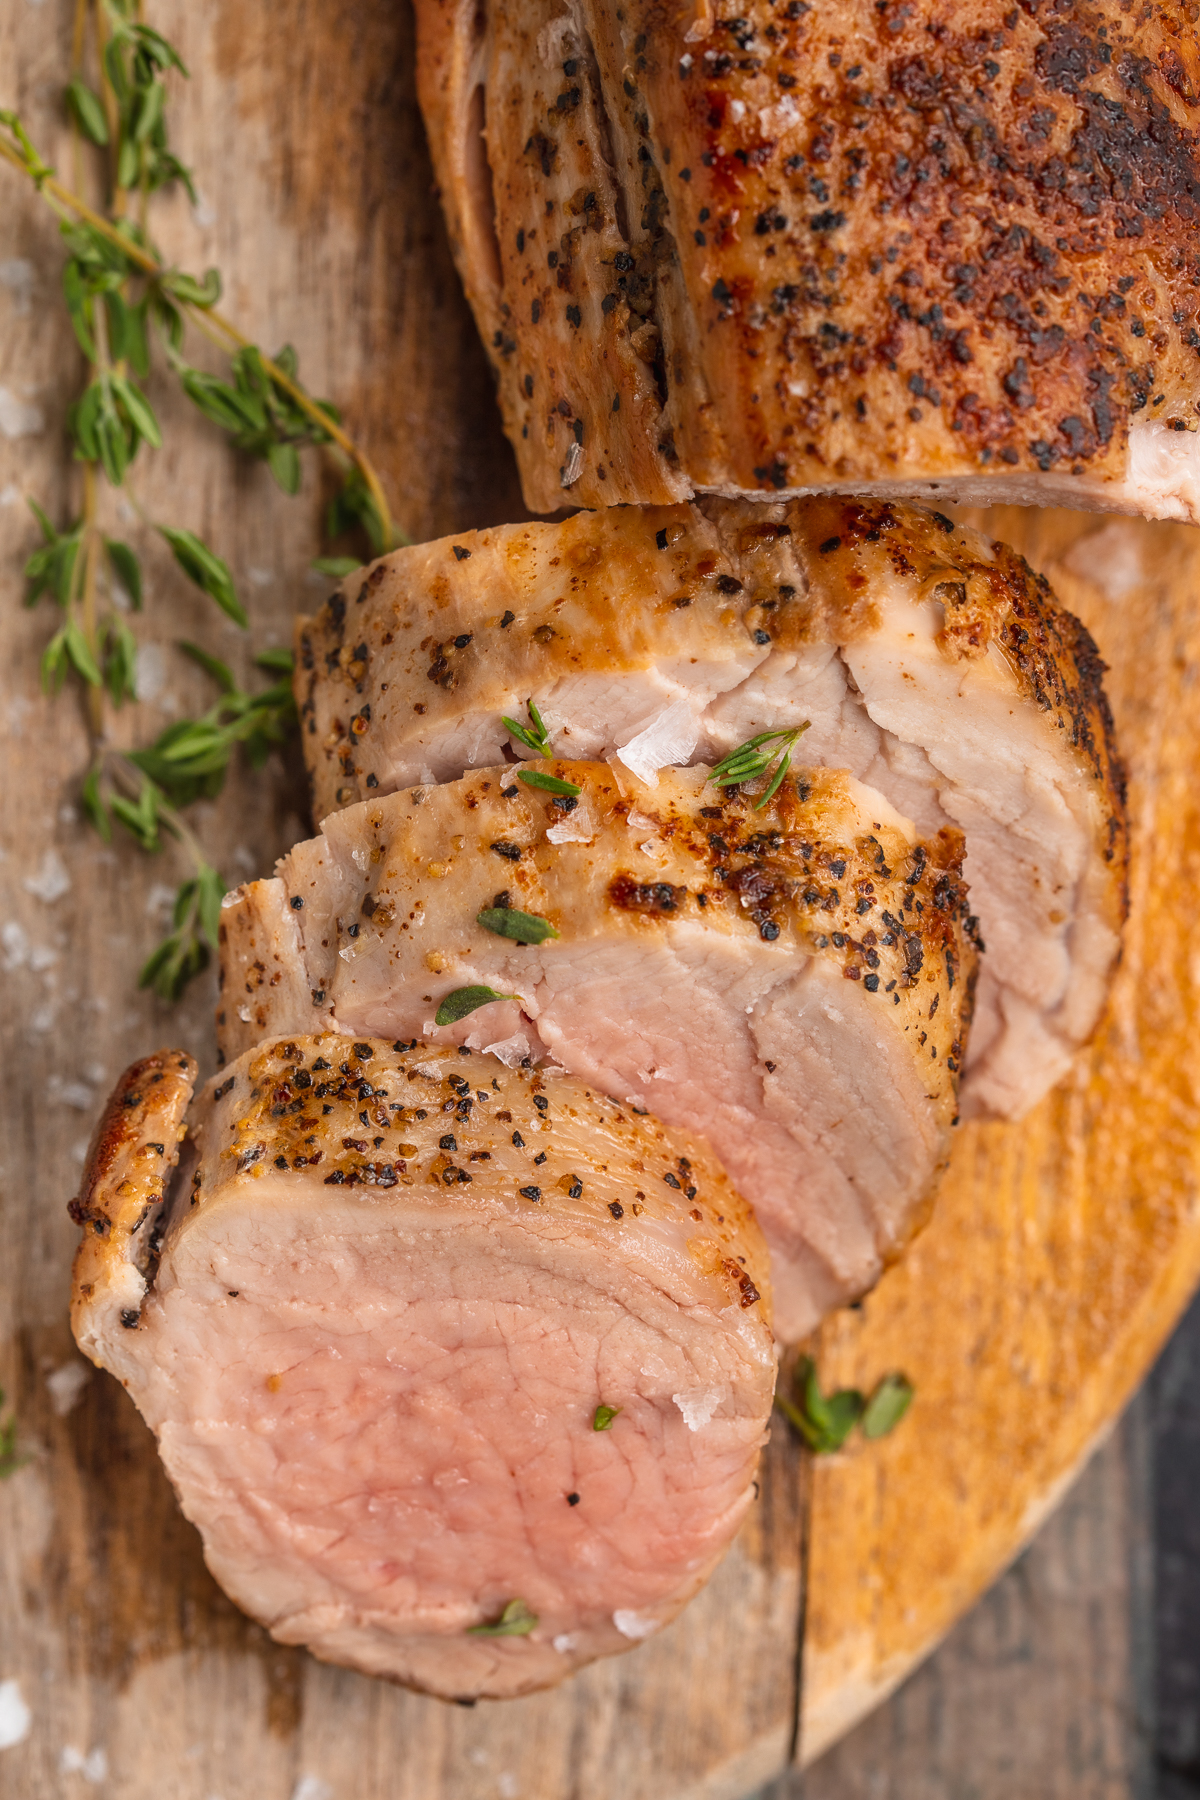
(990,596)
(890,915)
(426,625)
(936,241)
(268,956)
(133,1151)
(297,1104)
(537,239)
(885,913)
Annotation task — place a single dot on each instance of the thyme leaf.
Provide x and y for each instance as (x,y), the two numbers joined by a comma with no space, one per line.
(515,1621)
(825,1421)
(336,566)
(603,1417)
(887,1405)
(553,784)
(533,735)
(202,566)
(88,110)
(466,1000)
(521,927)
(185,951)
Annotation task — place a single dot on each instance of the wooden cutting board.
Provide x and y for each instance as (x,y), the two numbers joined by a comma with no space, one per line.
(1061,1250)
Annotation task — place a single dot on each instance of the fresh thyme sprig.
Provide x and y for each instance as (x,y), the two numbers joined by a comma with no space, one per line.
(124,299)
(749,761)
(144,790)
(825,1421)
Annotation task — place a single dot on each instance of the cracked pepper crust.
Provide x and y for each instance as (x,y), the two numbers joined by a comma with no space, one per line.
(298,1103)
(890,913)
(516,607)
(807,247)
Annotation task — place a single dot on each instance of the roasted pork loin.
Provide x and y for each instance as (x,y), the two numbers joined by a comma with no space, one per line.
(461,1370)
(950,249)
(791,983)
(929,661)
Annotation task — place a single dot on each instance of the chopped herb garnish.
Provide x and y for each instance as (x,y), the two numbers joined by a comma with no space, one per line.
(887,1406)
(515,1621)
(533,736)
(553,784)
(603,1417)
(466,1000)
(521,927)
(750,760)
(825,1421)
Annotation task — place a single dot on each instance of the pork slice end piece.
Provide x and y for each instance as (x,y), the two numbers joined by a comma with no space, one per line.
(448,1402)
(791,253)
(120,1205)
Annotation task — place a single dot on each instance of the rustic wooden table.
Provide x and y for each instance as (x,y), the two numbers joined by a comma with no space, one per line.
(138,1677)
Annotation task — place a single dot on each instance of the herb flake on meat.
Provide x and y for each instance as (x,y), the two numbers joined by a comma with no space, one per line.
(515,1621)
(521,927)
(553,784)
(533,735)
(466,1000)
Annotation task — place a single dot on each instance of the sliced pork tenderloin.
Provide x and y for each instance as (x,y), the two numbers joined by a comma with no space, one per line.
(460,1370)
(926,659)
(928,250)
(792,983)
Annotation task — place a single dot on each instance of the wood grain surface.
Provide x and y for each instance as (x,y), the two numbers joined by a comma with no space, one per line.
(1058,1257)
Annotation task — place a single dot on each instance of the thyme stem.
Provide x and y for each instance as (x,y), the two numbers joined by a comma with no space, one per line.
(63,197)
(89,548)
(127,776)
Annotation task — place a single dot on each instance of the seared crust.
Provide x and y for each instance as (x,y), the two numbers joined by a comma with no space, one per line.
(990,596)
(296,1103)
(550,182)
(886,911)
(621,590)
(883,244)
(266,949)
(133,1151)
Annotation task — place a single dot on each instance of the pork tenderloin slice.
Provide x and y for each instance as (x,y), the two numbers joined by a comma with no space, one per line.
(835,289)
(792,982)
(929,661)
(373,1354)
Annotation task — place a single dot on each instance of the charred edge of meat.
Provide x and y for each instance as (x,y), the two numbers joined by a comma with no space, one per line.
(1044,641)
(949,140)
(131,1160)
(776,876)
